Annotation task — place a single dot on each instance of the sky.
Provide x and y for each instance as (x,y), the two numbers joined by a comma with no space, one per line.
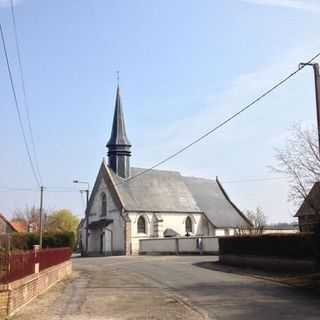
(184,67)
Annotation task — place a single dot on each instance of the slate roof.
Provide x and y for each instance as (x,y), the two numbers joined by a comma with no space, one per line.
(169,191)
(118,132)
(215,203)
(155,191)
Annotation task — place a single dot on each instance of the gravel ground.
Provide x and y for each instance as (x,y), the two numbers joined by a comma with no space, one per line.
(168,287)
(94,293)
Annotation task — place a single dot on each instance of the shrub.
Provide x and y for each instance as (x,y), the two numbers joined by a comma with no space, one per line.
(297,246)
(26,241)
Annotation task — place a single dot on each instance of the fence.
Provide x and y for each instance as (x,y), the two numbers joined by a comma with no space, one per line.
(50,257)
(14,266)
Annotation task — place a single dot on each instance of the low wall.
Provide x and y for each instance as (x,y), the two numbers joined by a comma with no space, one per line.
(268,263)
(181,245)
(16,294)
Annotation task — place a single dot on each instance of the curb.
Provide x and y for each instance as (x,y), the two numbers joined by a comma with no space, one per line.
(187,303)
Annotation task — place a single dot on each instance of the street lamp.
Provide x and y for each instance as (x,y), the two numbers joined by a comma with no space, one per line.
(86,211)
(315,67)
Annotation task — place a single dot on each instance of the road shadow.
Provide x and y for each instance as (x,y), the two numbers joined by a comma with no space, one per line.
(297,280)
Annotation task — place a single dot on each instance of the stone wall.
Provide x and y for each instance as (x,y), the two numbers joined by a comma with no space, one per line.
(16,294)
(181,245)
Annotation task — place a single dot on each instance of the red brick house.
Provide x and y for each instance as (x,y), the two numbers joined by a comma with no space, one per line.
(6,227)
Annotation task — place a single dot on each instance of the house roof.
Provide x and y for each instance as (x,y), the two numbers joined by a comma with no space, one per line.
(8,222)
(169,191)
(19,226)
(312,202)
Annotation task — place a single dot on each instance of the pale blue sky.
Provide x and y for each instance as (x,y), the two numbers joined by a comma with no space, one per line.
(185,66)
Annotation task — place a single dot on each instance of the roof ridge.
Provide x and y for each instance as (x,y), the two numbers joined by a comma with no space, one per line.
(157,170)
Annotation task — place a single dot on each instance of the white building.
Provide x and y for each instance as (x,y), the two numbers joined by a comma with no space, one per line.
(128,204)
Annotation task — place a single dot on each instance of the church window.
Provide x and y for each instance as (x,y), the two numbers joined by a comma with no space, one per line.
(141,225)
(103,204)
(188,225)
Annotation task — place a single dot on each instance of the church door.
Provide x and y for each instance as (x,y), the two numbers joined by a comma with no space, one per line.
(101,242)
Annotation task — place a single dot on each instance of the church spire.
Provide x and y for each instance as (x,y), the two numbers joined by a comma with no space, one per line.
(119,146)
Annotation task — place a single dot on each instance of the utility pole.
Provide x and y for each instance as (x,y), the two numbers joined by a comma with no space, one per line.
(41,208)
(317,92)
(87,191)
(87,220)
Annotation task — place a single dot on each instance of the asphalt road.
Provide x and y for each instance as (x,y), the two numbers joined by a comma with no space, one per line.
(221,295)
(171,287)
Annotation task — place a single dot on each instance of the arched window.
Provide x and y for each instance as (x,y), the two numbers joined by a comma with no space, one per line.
(103,204)
(188,225)
(141,225)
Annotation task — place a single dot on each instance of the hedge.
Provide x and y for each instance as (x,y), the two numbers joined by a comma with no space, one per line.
(297,246)
(26,241)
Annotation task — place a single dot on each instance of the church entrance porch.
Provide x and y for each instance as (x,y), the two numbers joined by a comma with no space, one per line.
(100,238)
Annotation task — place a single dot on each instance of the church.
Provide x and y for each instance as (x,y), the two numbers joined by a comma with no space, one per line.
(128,203)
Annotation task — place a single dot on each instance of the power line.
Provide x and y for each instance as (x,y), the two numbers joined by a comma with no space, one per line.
(25,101)
(256,180)
(223,123)
(18,190)
(22,189)
(17,108)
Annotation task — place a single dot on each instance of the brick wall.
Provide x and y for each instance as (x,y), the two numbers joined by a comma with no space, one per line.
(4,304)
(18,293)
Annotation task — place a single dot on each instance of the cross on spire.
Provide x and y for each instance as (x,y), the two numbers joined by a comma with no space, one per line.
(118,77)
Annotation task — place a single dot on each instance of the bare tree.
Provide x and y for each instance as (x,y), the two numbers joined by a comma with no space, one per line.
(258,223)
(300,161)
(258,219)
(29,217)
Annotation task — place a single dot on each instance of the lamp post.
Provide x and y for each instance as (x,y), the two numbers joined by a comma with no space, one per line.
(315,67)
(86,211)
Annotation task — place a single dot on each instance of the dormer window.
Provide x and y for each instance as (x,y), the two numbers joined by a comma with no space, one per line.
(103,204)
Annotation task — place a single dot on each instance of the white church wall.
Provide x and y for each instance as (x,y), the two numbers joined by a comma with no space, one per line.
(220,232)
(135,236)
(117,226)
(83,236)
(174,221)
(212,229)
(94,241)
